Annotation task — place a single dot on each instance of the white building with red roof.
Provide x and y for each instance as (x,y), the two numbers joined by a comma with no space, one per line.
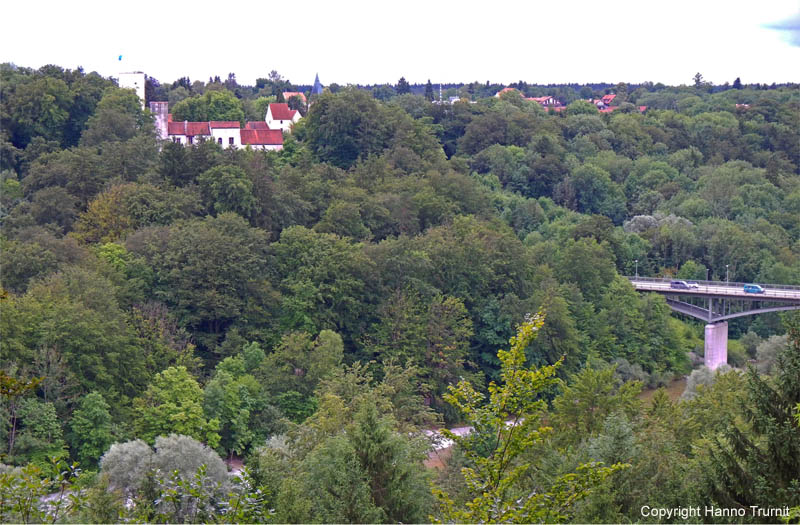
(225,132)
(188,132)
(228,134)
(262,135)
(263,139)
(279,116)
(546,101)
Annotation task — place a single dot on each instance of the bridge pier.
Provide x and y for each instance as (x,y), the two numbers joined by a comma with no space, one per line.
(716,345)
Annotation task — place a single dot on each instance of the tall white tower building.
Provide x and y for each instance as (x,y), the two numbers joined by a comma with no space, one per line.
(134,80)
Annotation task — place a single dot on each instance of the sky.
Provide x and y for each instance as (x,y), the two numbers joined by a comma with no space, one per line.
(375,42)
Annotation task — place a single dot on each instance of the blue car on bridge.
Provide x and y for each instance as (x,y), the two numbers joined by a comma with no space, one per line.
(753,288)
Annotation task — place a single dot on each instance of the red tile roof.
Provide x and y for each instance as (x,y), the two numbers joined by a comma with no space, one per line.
(281,111)
(262,137)
(216,124)
(258,124)
(189,129)
(289,94)
(608,98)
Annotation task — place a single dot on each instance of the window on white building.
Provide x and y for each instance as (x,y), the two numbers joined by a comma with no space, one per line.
(219,141)
(230,140)
(191,140)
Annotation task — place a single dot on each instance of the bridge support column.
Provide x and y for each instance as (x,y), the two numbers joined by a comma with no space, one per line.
(716,345)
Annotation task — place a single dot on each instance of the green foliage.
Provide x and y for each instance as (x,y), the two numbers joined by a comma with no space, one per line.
(211,272)
(22,490)
(227,188)
(91,429)
(298,363)
(344,127)
(408,232)
(323,279)
(70,328)
(433,337)
(118,117)
(126,465)
(172,405)
(212,105)
(504,427)
(758,463)
(593,395)
(239,402)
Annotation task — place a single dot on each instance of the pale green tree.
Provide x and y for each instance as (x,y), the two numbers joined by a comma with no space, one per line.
(172,404)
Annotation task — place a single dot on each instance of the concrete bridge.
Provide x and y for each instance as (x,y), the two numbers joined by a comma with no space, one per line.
(715,302)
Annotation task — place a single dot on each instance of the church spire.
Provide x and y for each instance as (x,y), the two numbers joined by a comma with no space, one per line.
(317,89)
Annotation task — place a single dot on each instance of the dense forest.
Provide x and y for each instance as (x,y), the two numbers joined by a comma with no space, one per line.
(402,264)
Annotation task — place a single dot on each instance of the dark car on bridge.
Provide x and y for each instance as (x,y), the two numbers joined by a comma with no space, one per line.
(753,288)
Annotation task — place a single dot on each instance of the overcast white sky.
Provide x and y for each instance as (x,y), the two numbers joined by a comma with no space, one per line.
(377,41)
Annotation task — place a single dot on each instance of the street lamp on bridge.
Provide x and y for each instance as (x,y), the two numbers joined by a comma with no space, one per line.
(706,274)
(726,274)
(636,262)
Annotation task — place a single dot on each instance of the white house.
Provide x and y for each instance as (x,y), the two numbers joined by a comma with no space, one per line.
(264,139)
(188,132)
(279,116)
(226,133)
(546,101)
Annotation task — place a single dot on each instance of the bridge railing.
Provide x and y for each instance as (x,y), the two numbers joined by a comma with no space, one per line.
(774,291)
(731,284)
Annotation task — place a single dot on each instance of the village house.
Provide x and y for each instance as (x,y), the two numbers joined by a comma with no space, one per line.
(263,139)
(545,101)
(279,116)
(263,135)
(225,133)
(255,135)
(186,132)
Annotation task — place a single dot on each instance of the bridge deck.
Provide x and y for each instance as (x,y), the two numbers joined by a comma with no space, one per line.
(721,290)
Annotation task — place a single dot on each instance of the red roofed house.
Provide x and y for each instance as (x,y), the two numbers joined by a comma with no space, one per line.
(279,116)
(188,132)
(229,133)
(225,132)
(608,99)
(265,139)
(289,94)
(547,101)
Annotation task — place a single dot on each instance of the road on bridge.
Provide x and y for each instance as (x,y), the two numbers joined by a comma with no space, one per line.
(782,293)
